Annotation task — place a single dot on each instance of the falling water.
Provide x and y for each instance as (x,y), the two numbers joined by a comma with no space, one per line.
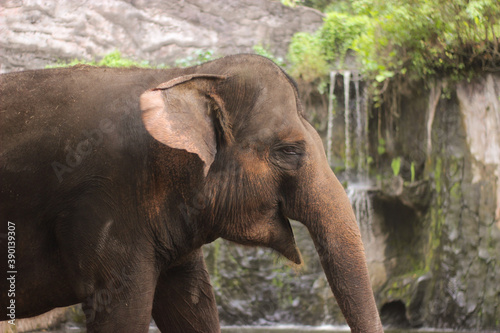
(329,134)
(359,195)
(353,159)
(347,113)
(359,187)
(360,133)
(359,190)
(365,144)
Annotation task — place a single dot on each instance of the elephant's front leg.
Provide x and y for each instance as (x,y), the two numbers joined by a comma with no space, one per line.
(124,303)
(184,299)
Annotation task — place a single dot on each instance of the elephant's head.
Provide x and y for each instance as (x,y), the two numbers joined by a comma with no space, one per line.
(264,163)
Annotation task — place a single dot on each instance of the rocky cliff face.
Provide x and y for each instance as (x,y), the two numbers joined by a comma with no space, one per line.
(34,33)
(464,218)
(443,228)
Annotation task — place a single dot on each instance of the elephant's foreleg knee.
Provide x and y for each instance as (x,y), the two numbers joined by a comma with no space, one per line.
(184,300)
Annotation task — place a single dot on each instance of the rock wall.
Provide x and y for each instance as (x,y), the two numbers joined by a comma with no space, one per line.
(480,108)
(465,287)
(443,228)
(34,33)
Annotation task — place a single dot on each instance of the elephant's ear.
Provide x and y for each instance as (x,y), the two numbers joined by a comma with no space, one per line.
(181,113)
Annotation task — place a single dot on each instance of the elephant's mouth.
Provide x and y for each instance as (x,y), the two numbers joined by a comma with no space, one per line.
(285,241)
(270,230)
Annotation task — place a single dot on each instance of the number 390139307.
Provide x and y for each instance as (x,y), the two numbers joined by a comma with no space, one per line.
(11,245)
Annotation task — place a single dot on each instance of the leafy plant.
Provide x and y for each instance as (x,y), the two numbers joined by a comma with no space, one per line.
(321,5)
(417,39)
(263,51)
(338,33)
(396,166)
(199,57)
(381,146)
(412,170)
(291,3)
(308,61)
(115,59)
(112,59)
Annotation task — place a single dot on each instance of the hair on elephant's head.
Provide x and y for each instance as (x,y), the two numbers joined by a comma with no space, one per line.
(263,163)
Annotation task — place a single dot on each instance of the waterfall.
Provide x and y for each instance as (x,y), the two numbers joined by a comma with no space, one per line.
(366,143)
(359,187)
(355,152)
(361,131)
(359,126)
(347,113)
(359,195)
(329,135)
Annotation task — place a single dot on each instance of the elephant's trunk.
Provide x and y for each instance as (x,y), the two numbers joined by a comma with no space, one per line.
(337,239)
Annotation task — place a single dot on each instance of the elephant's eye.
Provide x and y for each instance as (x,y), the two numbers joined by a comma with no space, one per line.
(295,148)
(288,156)
(290,150)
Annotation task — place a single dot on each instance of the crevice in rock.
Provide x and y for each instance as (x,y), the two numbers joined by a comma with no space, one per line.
(393,314)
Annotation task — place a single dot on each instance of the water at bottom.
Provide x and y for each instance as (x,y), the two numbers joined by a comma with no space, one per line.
(325,329)
(280,329)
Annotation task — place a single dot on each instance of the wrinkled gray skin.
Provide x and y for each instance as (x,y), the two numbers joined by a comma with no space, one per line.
(115,178)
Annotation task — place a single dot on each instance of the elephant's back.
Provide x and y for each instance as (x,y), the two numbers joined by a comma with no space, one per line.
(58,126)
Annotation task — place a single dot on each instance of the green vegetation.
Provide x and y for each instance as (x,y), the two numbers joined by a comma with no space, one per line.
(396,166)
(112,59)
(199,57)
(412,170)
(290,3)
(381,146)
(307,56)
(264,51)
(416,39)
(339,33)
(437,175)
(115,59)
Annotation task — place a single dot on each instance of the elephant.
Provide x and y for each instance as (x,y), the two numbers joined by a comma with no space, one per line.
(112,179)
